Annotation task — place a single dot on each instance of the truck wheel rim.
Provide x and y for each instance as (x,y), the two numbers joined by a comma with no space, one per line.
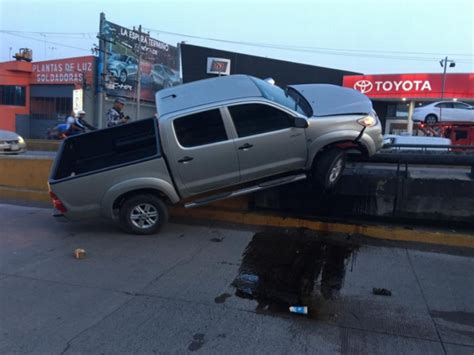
(336,171)
(144,216)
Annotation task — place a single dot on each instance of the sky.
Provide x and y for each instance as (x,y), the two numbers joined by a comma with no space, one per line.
(368,36)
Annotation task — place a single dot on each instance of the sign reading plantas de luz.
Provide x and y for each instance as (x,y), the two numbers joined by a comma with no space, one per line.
(159,63)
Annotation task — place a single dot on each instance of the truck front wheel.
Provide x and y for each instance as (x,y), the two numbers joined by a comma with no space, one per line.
(143,214)
(328,167)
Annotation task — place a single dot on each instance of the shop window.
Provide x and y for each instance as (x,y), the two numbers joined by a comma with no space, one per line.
(50,107)
(12,95)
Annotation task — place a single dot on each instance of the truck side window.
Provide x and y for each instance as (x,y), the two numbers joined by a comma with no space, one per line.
(254,119)
(200,128)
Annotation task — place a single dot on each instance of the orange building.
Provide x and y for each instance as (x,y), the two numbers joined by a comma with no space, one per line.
(15,79)
(38,95)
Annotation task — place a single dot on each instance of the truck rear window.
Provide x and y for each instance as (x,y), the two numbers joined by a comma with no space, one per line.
(107,148)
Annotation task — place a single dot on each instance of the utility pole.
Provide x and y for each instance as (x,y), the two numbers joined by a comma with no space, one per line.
(102,74)
(139,72)
(444,63)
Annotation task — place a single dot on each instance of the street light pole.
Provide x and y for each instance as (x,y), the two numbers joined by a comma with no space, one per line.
(139,73)
(445,65)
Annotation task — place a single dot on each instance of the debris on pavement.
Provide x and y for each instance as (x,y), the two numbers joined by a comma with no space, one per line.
(79,253)
(299,309)
(381,291)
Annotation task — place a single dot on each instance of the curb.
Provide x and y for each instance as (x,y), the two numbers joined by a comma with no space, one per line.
(376,232)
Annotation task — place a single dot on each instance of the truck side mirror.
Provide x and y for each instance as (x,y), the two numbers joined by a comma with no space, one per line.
(301,122)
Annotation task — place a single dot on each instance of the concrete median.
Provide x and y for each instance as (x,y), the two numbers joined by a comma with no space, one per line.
(25,177)
(43,145)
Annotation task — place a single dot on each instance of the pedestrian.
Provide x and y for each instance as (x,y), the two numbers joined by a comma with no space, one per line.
(115,115)
(82,122)
(74,126)
(70,120)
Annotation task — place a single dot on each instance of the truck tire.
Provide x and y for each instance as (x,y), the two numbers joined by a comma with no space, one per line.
(143,214)
(328,168)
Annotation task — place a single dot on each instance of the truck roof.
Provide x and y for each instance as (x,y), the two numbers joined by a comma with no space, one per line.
(204,92)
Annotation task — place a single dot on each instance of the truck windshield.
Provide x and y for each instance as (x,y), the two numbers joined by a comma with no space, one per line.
(278,95)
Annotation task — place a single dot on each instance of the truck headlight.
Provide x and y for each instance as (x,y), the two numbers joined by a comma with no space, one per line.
(368,121)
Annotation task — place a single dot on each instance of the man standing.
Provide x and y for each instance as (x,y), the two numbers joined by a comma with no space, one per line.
(115,116)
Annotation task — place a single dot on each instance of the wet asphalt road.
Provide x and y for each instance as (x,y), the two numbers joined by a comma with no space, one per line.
(213,290)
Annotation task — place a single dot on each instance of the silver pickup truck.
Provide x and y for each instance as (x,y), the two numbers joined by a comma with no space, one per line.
(214,139)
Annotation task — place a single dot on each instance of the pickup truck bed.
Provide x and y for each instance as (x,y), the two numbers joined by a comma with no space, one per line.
(106,149)
(93,172)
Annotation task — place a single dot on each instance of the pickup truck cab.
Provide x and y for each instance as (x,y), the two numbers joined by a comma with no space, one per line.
(214,139)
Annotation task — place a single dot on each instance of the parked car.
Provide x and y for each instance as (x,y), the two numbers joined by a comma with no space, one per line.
(391,139)
(11,143)
(222,137)
(123,67)
(444,111)
(164,77)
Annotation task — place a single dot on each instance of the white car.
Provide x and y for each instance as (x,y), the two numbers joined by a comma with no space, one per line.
(11,143)
(444,111)
(389,139)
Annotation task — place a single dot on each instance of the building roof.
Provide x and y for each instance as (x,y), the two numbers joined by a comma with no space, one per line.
(204,92)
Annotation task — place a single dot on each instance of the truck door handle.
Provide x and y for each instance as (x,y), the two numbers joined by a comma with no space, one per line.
(246,146)
(185,159)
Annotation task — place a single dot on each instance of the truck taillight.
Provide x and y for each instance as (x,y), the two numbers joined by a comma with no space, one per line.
(57,203)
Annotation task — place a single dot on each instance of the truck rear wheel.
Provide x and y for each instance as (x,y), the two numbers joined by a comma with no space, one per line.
(143,214)
(328,168)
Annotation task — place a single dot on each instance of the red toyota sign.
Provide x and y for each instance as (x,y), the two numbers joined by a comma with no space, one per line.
(412,85)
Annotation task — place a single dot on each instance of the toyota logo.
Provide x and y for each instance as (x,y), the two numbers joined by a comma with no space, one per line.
(364,86)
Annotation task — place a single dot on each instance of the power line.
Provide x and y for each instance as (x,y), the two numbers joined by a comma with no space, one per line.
(50,33)
(364,53)
(269,45)
(44,41)
(288,47)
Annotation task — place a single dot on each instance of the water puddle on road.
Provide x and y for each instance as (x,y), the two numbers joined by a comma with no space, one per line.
(298,268)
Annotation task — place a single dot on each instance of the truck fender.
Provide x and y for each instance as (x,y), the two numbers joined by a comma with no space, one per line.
(136,184)
(338,136)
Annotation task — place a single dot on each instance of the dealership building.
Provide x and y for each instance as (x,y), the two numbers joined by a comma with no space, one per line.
(395,96)
(38,95)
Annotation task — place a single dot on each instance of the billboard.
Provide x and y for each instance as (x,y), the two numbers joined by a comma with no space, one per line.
(159,62)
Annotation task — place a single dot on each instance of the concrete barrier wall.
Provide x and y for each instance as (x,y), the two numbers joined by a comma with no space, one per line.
(25,177)
(43,144)
(380,193)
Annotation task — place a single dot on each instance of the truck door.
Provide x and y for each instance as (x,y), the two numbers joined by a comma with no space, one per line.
(201,155)
(267,141)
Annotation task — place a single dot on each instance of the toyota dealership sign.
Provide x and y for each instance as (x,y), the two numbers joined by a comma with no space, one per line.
(412,85)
